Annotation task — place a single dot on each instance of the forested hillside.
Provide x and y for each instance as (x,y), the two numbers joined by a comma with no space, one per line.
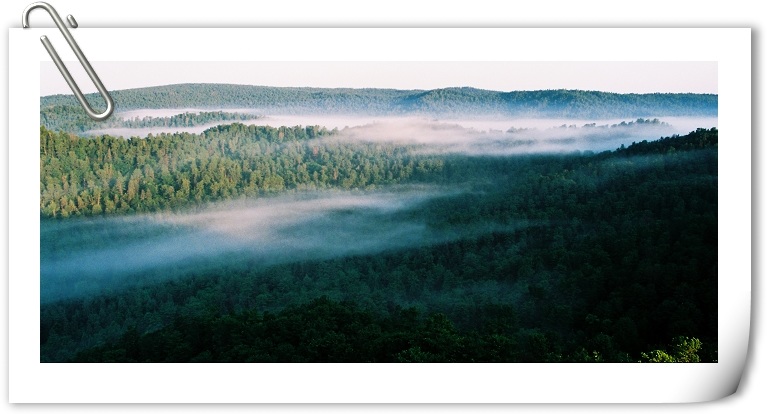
(579,257)
(70,118)
(463,102)
(91,176)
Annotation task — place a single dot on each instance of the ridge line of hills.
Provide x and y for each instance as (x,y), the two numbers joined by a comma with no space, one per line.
(465,101)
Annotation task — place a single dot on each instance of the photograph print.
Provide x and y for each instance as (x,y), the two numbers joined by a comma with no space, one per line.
(301,212)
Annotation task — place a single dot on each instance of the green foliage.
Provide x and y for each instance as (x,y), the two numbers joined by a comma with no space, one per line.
(686,349)
(588,258)
(324,330)
(319,331)
(91,176)
(70,118)
(464,101)
(683,349)
(700,138)
(186,119)
(657,356)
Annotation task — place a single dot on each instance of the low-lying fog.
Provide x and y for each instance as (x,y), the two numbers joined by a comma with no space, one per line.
(84,256)
(454,136)
(474,135)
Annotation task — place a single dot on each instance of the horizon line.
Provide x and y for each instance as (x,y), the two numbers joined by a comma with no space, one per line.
(385,89)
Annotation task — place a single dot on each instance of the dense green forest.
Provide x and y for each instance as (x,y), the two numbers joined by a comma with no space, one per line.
(91,176)
(449,101)
(71,119)
(580,257)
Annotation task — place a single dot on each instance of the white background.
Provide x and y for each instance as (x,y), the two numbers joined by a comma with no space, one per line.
(475,13)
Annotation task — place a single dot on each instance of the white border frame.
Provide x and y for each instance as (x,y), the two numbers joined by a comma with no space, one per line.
(31,381)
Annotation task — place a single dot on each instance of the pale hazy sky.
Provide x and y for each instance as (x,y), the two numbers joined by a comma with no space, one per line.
(621,77)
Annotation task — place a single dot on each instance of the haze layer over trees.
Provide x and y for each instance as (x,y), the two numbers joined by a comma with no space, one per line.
(62,111)
(248,243)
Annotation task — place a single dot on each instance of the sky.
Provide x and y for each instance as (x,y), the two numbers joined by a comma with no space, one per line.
(619,77)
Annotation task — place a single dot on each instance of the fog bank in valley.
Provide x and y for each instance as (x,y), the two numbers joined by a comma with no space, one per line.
(85,256)
(477,138)
(471,135)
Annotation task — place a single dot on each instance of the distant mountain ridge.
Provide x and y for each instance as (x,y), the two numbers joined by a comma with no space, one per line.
(463,101)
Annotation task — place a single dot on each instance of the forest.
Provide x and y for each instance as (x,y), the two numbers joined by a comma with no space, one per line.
(112,175)
(461,101)
(548,257)
(70,119)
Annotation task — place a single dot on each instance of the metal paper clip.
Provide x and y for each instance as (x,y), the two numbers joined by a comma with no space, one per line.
(80,56)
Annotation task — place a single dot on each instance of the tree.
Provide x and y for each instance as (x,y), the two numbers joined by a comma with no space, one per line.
(683,349)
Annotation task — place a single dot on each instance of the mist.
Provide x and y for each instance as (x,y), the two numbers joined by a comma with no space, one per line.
(475,135)
(522,136)
(88,256)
